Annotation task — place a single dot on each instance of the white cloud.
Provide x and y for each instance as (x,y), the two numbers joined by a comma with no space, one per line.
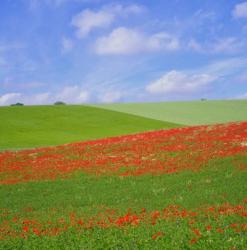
(129,41)
(240,10)
(83,96)
(225,45)
(111,97)
(87,20)
(134,9)
(9,98)
(121,10)
(120,41)
(69,94)
(225,67)
(180,82)
(202,16)
(162,41)
(41,98)
(197,80)
(73,94)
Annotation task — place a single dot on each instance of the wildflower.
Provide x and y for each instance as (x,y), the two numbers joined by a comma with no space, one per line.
(25,229)
(197,232)
(191,222)
(193,241)
(36,231)
(80,222)
(158,234)
(144,209)
(15,219)
(156,214)
(220,230)
(193,214)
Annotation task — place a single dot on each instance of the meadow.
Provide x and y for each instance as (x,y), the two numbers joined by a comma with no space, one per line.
(187,113)
(153,188)
(34,126)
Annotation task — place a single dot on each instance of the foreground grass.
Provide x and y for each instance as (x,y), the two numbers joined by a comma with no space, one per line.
(188,113)
(219,182)
(33,126)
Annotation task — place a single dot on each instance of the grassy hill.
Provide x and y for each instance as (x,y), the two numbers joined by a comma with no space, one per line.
(188,113)
(32,126)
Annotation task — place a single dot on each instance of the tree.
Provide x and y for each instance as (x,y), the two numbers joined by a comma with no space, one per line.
(17,104)
(59,103)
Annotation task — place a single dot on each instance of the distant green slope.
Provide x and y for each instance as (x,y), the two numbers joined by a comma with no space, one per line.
(188,113)
(32,126)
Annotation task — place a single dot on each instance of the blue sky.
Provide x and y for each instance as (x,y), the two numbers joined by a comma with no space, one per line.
(100,51)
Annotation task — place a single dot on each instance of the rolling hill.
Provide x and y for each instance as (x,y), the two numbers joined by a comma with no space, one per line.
(188,113)
(34,126)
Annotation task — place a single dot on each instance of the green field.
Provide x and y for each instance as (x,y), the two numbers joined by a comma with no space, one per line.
(86,195)
(50,200)
(188,113)
(34,126)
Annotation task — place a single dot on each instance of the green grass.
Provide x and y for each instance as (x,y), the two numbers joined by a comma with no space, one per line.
(152,192)
(33,126)
(217,183)
(188,113)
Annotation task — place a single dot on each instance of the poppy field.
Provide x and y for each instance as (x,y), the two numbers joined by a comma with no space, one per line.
(182,188)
